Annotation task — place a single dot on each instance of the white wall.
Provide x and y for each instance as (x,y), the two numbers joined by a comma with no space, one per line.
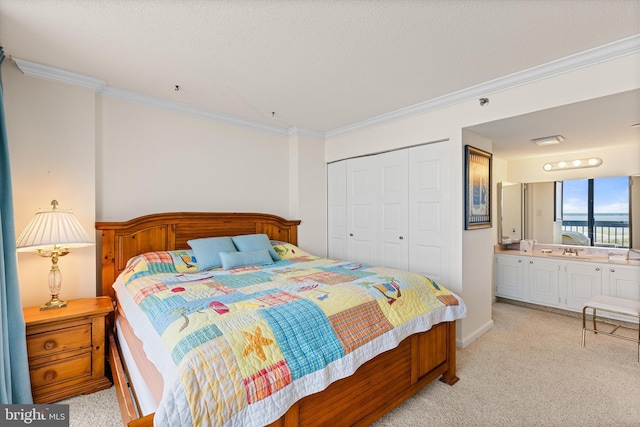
(112,160)
(308,191)
(65,139)
(477,264)
(616,161)
(151,160)
(51,132)
(604,78)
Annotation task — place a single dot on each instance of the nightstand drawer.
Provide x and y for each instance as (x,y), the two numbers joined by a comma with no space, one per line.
(52,373)
(58,341)
(66,348)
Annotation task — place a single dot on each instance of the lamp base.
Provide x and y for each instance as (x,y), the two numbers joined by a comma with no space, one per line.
(53,303)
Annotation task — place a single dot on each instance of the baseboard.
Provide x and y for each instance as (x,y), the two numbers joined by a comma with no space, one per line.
(602,317)
(465,341)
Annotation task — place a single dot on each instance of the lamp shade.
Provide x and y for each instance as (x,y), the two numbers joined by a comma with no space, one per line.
(53,228)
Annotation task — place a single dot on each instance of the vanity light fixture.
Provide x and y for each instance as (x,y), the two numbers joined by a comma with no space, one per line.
(548,140)
(592,162)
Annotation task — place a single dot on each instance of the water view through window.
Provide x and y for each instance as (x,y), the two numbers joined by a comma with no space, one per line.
(596,212)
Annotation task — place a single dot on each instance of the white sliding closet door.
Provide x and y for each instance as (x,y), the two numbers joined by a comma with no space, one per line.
(393,209)
(337,210)
(362,224)
(429,212)
(393,219)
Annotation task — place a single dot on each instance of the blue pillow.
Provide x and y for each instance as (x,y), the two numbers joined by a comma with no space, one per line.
(254,242)
(245,259)
(206,250)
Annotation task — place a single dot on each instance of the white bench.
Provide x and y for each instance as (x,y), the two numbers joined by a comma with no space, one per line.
(622,306)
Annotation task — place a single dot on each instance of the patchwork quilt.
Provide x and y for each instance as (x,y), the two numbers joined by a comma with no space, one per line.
(239,347)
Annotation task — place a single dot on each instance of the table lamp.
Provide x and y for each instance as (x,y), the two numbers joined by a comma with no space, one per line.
(51,234)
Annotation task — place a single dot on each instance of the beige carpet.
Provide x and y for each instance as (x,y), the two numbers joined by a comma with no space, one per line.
(529,370)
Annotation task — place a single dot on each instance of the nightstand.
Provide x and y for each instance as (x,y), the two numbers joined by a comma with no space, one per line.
(66,348)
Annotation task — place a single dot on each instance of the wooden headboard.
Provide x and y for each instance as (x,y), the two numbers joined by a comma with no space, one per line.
(171,231)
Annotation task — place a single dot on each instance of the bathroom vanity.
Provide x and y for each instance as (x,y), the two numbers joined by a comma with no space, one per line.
(553,276)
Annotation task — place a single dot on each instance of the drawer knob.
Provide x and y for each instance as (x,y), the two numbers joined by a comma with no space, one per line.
(50,375)
(49,345)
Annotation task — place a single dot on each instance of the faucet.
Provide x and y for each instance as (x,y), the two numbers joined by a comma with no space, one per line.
(570,251)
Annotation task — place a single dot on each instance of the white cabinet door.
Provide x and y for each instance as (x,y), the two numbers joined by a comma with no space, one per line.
(624,281)
(430,211)
(564,284)
(393,220)
(510,277)
(393,209)
(583,281)
(543,281)
(362,224)
(337,210)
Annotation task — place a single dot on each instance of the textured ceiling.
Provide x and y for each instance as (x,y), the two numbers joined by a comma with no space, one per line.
(319,65)
(584,125)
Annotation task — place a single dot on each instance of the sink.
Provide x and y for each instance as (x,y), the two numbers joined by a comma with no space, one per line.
(576,256)
(567,255)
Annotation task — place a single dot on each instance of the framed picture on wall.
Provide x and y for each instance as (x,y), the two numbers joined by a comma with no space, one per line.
(477,186)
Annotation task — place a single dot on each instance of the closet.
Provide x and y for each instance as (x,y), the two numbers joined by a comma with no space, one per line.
(392,210)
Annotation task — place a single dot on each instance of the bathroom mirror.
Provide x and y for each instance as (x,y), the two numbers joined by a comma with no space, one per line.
(533,211)
(510,211)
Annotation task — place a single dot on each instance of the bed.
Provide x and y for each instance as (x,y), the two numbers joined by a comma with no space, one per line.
(377,377)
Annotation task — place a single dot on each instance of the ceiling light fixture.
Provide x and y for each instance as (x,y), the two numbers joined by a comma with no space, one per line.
(592,162)
(548,140)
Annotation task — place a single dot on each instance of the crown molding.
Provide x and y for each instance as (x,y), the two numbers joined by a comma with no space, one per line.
(604,53)
(298,130)
(100,86)
(165,104)
(44,71)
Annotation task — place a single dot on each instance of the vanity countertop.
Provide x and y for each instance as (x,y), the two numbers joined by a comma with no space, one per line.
(599,255)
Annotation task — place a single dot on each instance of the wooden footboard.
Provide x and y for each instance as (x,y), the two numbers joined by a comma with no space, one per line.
(380,384)
(374,389)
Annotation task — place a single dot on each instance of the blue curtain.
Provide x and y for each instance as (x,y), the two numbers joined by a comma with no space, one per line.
(15,386)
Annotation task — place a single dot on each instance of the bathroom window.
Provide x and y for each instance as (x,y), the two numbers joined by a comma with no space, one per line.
(595,212)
